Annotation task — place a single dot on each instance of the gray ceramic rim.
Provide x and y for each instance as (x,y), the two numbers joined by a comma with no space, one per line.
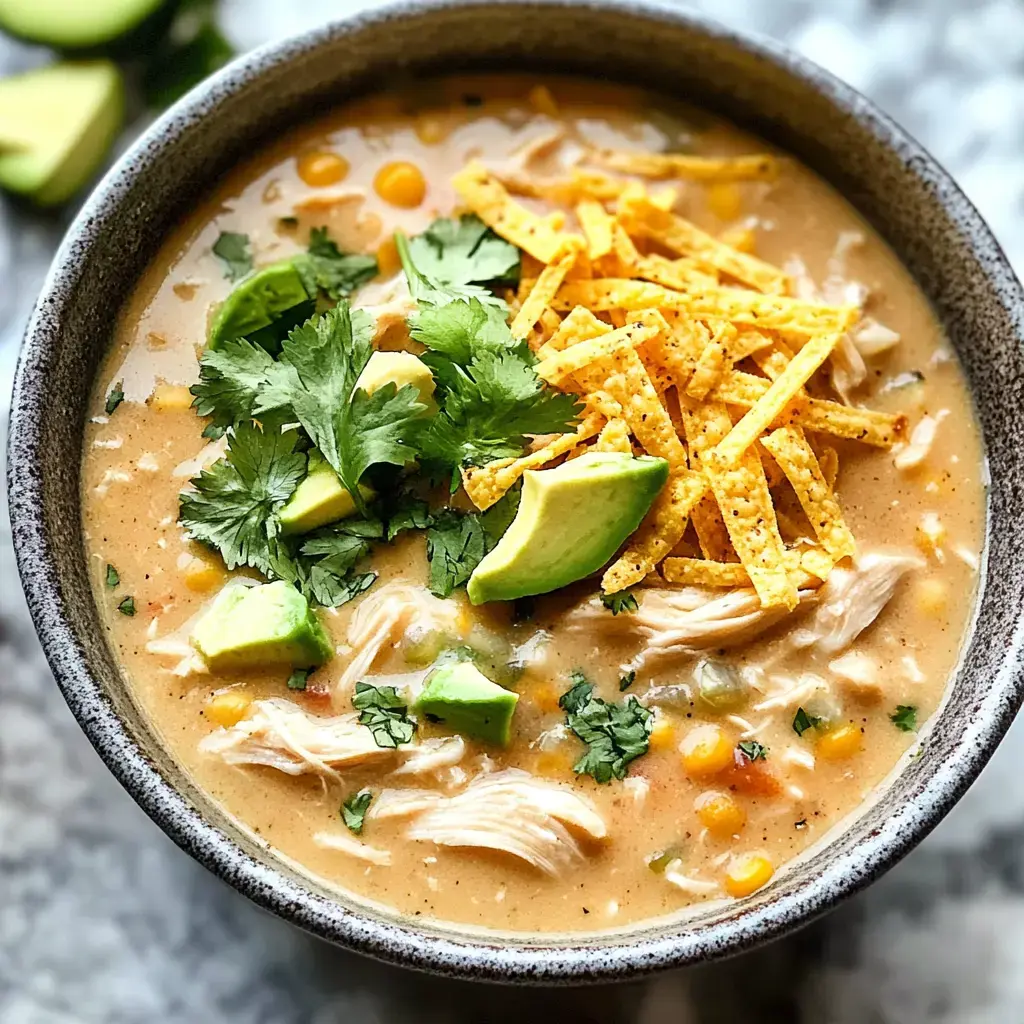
(994,700)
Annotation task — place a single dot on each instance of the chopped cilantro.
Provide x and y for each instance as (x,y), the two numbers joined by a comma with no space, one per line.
(230,378)
(752,750)
(297,680)
(127,607)
(623,601)
(353,810)
(113,576)
(384,713)
(626,681)
(905,717)
(114,397)
(232,249)
(408,513)
(327,560)
(615,734)
(335,273)
(803,721)
(461,330)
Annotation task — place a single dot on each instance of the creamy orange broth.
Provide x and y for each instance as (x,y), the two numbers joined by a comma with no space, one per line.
(135,462)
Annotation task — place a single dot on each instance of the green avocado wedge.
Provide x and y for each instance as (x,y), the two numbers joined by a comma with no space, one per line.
(264,626)
(571,520)
(57,125)
(74,24)
(319,499)
(464,699)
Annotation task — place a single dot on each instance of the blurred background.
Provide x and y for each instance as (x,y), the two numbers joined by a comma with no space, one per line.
(104,921)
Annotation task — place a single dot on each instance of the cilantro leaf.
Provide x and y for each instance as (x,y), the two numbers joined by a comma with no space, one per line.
(297,680)
(752,750)
(114,398)
(803,721)
(460,330)
(327,560)
(623,601)
(456,545)
(384,713)
(232,249)
(626,681)
(127,607)
(233,507)
(230,378)
(113,578)
(408,513)
(335,273)
(905,717)
(353,810)
(319,366)
(615,734)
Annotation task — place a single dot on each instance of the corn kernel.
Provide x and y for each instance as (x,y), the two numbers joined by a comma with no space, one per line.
(932,597)
(401,184)
(228,708)
(388,261)
(542,101)
(170,398)
(202,576)
(720,814)
(706,750)
(747,874)
(840,743)
(663,733)
(724,200)
(322,168)
(431,129)
(742,239)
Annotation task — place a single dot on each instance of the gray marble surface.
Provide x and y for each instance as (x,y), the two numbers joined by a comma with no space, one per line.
(104,921)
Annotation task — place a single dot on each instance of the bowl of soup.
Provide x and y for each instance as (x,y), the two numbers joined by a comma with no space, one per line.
(548,518)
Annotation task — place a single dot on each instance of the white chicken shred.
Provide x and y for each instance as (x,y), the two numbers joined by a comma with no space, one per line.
(687,883)
(432,755)
(345,842)
(910,454)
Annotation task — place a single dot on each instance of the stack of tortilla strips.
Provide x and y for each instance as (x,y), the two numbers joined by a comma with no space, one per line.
(651,321)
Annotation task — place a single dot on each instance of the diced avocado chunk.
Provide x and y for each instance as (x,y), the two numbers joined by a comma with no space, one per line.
(398,368)
(319,499)
(265,626)
(465,700)
(74,24)
(262,298)
(570,522)
(57,125)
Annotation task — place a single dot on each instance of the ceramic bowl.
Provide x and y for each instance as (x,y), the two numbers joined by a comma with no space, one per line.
(891,180)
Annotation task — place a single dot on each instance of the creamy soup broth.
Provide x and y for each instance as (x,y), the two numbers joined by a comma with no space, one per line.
(138,458)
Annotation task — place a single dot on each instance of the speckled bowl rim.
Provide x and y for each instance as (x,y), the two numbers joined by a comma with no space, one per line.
(472,956)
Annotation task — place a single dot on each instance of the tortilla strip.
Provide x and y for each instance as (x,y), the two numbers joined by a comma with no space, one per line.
(760,415)
(486,484)
(641,217)
(614,437)
(484,194)
(580,325)
(702,572)
(829,462)
(547,325)
(712,361)
(797,460)
(753,167)
(598,227)
(544,290)
(661,530)
(816,563)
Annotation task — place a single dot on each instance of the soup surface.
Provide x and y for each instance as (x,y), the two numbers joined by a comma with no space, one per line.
(744,541)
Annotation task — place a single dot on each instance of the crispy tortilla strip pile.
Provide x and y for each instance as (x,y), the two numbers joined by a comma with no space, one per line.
(687,347)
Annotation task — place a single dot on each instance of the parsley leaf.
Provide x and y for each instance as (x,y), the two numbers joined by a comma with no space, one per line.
(353,810)
(232,249)
(626,681)
(384,713)
(752,750)
(623,601)
(233,507)
(316,383)
(297,680)
(127,607)
(905,717)
(803,721)
(230,377)
(114,398)
(113,576)
(615,734)
(335,273)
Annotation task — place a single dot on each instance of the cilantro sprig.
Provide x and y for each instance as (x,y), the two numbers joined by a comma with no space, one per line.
(353,810)
(384,713)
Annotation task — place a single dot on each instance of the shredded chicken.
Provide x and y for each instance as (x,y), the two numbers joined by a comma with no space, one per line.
(851,600)
(382,618)
(913,452)
(859,674)
(206,457)
(510,810)
(791,692)
(688,884)
(432,755)
(280,734)
(345,842)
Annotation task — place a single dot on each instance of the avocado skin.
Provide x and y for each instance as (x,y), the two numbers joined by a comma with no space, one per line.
(261,627)
(465,700)
(571,521)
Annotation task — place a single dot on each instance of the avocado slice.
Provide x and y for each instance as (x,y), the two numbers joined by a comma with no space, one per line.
(464,699)
(57,125)
(399,368)
(261,627)
(262,298)
(74,24)
(570,522)
(319,499)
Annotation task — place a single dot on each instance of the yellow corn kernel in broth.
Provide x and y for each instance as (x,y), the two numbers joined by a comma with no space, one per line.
(228,707)
(171,398)
(748,873)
